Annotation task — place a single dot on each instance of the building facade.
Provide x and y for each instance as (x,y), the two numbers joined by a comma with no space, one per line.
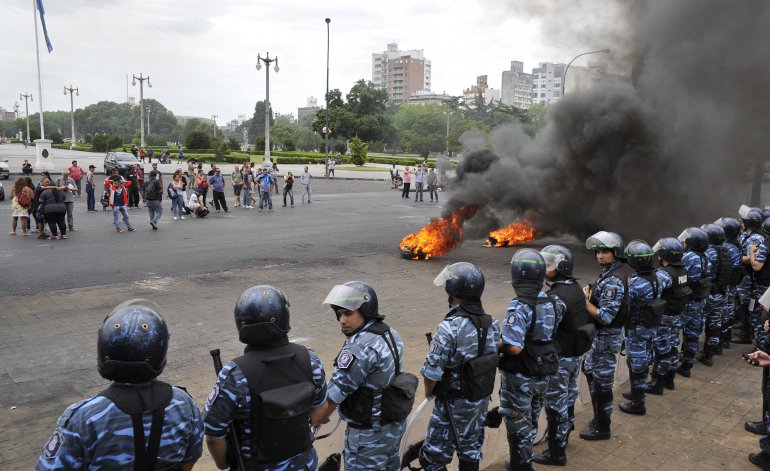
(546,82)
(311,108)
(401,73)
(517,86)
(481,88)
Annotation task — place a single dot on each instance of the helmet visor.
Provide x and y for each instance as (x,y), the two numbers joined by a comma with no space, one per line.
(603,240)
(346,297)
(445,275)
(743,211)
(552,259)
(684,236)
(657,247)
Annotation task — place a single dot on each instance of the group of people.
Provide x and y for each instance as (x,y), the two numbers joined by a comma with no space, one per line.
(422,176)
(271,399)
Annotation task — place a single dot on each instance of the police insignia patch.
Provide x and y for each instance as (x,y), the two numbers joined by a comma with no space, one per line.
(509,319)
(610,293)
(53,445)
(345,359)
(212,395)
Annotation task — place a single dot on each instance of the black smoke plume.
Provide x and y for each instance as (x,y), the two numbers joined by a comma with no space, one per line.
(644,158)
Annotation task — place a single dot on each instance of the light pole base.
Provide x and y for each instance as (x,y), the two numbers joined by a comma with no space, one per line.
(43,156)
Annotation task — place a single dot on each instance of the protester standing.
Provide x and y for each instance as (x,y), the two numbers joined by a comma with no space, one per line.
(90,199)
(118,200)
(152,197)
(76,172)
(288,183)
(202,184)
(217,182)
(67,186)
(54,210)
(176,194)
(304,180)
(21,197)
(237,182)
(407,182)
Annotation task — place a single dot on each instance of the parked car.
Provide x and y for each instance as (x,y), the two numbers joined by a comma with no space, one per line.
(5,172)
(119,160)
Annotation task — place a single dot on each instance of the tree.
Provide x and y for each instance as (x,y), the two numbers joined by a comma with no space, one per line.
(363,115)
(257,124)
(358,150)
(421,128)
(198,139)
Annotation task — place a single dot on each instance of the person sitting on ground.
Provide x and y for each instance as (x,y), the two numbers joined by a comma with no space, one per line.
(197,206)
(26,168)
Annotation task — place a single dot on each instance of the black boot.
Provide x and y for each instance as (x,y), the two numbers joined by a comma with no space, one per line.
(599,428)
(706,357)
(515,464)
(468,465)
(655,386)
(669,382)
(636,405)
(727,337)
(684,370)
(760,459)
(745,337)
(757,428)
(553,455)
(571,414)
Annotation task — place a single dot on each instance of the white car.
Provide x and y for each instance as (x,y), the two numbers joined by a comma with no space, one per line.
(4,170)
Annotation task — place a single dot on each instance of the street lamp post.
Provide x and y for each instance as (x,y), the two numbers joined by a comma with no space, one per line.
(214,118)
(564,78)
(148,120)
(16,110)
(326,111)
(72,112)
(267,60)
(27,98)
(141,103)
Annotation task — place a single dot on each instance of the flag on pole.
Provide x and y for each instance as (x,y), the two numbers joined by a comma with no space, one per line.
(42,20)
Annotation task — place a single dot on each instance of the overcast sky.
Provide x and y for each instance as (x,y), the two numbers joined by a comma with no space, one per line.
(201,54)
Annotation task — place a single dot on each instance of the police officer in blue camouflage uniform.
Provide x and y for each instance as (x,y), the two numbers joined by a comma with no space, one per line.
(695,242)
(676,296)
(574,341)
(530,354)
(99,433)
(732,229)
(645,288)
(607,304)
(467,334)
(758,255)
(364,368)
(720,274)
(286,380)
(752,235)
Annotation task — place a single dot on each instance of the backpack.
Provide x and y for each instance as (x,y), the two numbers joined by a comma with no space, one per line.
(538,358)
(398,398)
(22,199)
(724,270)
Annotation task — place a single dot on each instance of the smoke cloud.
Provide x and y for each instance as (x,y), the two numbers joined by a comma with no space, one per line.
(642,158)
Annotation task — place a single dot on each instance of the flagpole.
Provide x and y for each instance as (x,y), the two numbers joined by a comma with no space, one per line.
(39,79)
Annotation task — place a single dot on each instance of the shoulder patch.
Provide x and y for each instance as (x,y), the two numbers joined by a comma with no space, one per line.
(53,445)
(345,359)
(510,318)
(212,395)
(609,293)
(433,346)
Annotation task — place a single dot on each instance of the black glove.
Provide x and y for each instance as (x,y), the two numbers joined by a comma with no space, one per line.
(332,463)
(493,419)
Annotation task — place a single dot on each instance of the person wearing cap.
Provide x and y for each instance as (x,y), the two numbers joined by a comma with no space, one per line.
(367,365)
(90,196)
(466,335)
(607,304)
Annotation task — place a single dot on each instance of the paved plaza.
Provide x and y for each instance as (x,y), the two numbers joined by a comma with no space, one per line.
(54,295)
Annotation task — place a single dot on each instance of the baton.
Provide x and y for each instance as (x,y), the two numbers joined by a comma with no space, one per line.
(231,429)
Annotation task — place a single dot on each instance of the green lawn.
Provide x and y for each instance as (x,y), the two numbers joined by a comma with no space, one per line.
(361,169)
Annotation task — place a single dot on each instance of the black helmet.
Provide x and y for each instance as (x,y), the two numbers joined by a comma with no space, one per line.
(527,264)
(355,295)
(731,226)
(751,217)
(715,233)
(766,226)
(262,315)
(132,344)
(669,249)
(765,213)
(559,258)
(640,255)
(462,280)
(695,238)
(606,241)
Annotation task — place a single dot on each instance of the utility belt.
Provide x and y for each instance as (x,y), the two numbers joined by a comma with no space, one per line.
(370,425)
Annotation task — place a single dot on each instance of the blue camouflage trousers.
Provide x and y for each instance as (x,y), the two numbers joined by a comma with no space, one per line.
(521,399)
(601,361)
(562,393)
(728,313)
(374,448)
(439,445)
(665,345)
(692,326)
(714,312)
(639,340)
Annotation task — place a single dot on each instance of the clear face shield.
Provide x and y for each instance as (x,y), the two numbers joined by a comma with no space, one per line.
(683,236)
(445,275)
(743,211)
(603,240)
(657,247)
(346,297)
(552,260)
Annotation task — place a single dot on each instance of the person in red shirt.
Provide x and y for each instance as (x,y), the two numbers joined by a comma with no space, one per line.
(76,173)
(119,200)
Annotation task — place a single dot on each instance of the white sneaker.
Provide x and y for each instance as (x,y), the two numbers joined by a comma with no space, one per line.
(181,217)
(175,218)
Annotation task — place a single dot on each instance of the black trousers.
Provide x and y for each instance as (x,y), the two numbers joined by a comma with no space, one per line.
(54,220)
(219,200)
(405,191)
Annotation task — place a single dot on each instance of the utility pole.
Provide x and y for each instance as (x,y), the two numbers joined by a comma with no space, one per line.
(27,98)
(267,60)
(326,111)
(214,118)
(148,120)
(72,112)
(16,109)
(141,103)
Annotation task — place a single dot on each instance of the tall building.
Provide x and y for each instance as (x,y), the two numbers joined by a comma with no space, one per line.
(546,82)
(481,88)
(311,108)
(401,73)
(516,89)
(581,78)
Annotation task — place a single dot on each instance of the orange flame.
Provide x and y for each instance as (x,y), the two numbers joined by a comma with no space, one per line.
(516,233)
(438,237)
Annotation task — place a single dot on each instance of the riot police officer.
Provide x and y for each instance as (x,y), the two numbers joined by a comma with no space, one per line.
(752,236)
(460,371)
(530,353)
(758,255)
(731,228)
(100,432)
(269,393)
(365,368)
(574,336)
(666,343)
(645,311)
(720,274)
(607,304)
(695,241)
